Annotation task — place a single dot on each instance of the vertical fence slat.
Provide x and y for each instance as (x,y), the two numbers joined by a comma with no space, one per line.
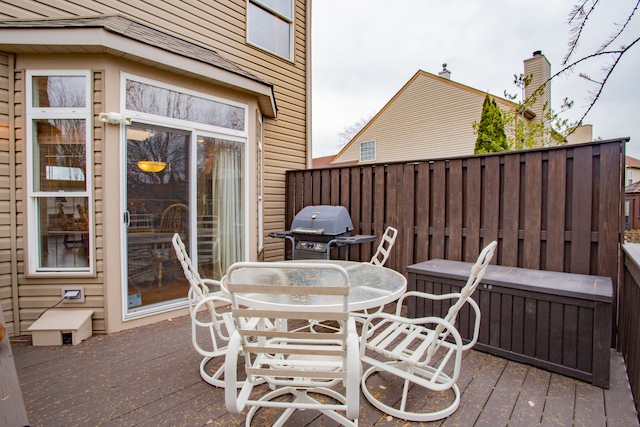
(472,210)
(581,204)
(355,252)
(438,207)
(532,210)
(491,200)
(406,201)
(556,196)
(366,195)
(423,207)
(454,201)
(510,211)
(609,227)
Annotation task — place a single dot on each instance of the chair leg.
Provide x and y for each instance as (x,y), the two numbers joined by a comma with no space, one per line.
(301,396)
(402,413)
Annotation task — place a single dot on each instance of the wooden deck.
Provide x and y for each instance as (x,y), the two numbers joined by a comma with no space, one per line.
(149,376)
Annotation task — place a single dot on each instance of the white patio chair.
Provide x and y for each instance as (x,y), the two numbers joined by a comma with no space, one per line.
(418,351)
(384,248)
(205,294)
(293,361)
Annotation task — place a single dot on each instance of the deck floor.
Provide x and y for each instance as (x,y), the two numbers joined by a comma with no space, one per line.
(148,376)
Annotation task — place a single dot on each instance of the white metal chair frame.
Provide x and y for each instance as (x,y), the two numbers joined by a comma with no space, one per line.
(201,297)
(294,361)
(384,248)
(409,346)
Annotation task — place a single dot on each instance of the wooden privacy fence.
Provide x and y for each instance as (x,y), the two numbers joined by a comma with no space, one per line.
(556,209)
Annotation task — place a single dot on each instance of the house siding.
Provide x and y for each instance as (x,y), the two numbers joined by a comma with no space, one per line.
(221,26)
(7,233)
(410,126)
(38,292)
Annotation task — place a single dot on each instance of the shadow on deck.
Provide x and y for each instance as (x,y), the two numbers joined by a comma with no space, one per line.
(148,376)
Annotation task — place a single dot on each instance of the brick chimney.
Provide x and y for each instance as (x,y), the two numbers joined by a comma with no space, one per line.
(540,68)
(445,74)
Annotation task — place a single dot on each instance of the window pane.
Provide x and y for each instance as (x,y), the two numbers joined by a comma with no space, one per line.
(367,151)
(283,7)
(220,205)
(60,155)
(59,91)
(150,99)
(269,31)
(64,232)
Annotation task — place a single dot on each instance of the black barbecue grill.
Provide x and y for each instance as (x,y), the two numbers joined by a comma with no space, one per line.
(317,229)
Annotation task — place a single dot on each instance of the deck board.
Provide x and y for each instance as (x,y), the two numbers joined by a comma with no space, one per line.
(148,376)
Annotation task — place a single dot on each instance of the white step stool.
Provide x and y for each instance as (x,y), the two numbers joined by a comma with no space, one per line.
(48,329)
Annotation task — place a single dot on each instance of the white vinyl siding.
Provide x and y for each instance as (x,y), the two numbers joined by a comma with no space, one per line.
(430,117)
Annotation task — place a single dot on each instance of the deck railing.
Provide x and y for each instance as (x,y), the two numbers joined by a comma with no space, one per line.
(629,318)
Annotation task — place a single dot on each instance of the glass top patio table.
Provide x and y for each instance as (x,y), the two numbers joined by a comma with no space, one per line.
(371,286)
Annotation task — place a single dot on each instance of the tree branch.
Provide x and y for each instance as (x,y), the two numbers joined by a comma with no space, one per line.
(577,14)
(614,36)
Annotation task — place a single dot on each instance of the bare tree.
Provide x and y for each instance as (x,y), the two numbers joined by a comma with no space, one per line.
(352,130)
(609,56)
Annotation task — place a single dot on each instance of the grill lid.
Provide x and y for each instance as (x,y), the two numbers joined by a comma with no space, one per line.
(322,220)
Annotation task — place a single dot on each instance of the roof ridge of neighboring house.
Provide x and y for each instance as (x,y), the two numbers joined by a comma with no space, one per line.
(631,162)
(405,86)
(633,188)
(135,30)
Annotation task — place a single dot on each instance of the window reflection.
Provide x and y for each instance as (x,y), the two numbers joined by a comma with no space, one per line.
(59,91)
(163,102)
(60,155)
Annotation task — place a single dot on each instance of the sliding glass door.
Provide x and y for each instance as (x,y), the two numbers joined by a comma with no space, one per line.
(157,203)
(185,173)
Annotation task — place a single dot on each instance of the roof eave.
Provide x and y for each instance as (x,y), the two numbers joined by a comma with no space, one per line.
(99,40)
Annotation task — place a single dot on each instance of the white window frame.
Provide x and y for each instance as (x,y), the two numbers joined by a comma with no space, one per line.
(290,20)
(196,129)
(260,178)
(32,226)
(365,150)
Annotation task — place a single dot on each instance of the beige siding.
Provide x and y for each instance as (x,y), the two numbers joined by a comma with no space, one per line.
(6,226)
(221,26)
(431,117)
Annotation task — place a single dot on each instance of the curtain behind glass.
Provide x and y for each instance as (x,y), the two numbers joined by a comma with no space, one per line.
(220,205)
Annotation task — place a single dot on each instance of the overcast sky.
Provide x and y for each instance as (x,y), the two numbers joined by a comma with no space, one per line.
(364,51)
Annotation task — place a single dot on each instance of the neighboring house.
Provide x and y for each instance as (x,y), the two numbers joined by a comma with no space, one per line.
(432,116)
(124,122)
(632,170)
(632,207)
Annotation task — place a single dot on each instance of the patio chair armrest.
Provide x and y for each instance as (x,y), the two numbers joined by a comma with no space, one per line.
(214,283)
(425,295)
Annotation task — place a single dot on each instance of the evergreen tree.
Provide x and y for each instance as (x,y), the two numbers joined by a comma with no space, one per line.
(490,130)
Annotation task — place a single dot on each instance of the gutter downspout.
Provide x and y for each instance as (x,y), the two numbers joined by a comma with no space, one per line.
(309,140)
(13,239)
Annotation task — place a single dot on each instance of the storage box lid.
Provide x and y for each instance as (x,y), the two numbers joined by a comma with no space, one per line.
(594,288)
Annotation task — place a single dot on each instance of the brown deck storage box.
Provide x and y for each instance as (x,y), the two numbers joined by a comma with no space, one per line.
(557,321)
